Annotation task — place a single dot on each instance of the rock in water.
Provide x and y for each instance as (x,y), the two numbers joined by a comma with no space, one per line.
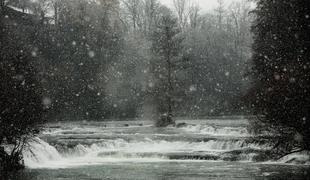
(165,120)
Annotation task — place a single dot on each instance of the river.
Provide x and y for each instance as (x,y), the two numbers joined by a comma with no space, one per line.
(134,150)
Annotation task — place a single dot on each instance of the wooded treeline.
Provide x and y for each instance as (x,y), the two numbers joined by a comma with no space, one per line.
(207,71)
(98,59)
(21,109)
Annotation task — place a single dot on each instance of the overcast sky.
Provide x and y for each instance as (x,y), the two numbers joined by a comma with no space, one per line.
(205,5)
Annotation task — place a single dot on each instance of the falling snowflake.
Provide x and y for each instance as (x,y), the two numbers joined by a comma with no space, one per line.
(91,54)
(47,102)
(34,54)
(192,88)
(151,84)
(277,77)
(292,80)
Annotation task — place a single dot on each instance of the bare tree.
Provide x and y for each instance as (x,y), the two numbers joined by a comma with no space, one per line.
(134,11)
(239,12)
(220,13)
(56,7)
(194,15)
(150,11)
(182,8)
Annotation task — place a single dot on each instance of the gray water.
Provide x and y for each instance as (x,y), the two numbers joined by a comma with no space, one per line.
(130,150)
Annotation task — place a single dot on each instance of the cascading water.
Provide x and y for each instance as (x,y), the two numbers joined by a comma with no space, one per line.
(38,153)
(92,144)
(224,131)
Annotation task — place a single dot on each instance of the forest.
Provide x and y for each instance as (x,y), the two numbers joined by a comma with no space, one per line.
(93,60)
(104,63)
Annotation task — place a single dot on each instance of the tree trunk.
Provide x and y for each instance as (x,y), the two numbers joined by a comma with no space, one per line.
(169,78)
(169,87)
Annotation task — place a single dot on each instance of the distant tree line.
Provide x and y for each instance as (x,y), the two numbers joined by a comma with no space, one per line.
(207,71)
(101,59)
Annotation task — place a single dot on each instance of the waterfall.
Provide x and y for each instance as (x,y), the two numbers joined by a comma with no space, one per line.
(218,131)
(94,145)
(39,152)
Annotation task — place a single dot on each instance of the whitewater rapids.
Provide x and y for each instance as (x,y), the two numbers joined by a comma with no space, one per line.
(66,145)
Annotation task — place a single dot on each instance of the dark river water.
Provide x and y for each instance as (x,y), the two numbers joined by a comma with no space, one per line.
(134,150)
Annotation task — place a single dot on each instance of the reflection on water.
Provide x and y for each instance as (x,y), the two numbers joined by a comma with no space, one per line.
(170,170)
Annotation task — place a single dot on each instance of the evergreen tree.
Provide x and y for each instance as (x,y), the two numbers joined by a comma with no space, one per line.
(281,69)
(21,102)
(167,46)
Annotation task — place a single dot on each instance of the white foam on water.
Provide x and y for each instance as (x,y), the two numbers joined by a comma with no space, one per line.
(226,143)
(39,153)
(42,155)
(217,131)
(161,146)
(229,143)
